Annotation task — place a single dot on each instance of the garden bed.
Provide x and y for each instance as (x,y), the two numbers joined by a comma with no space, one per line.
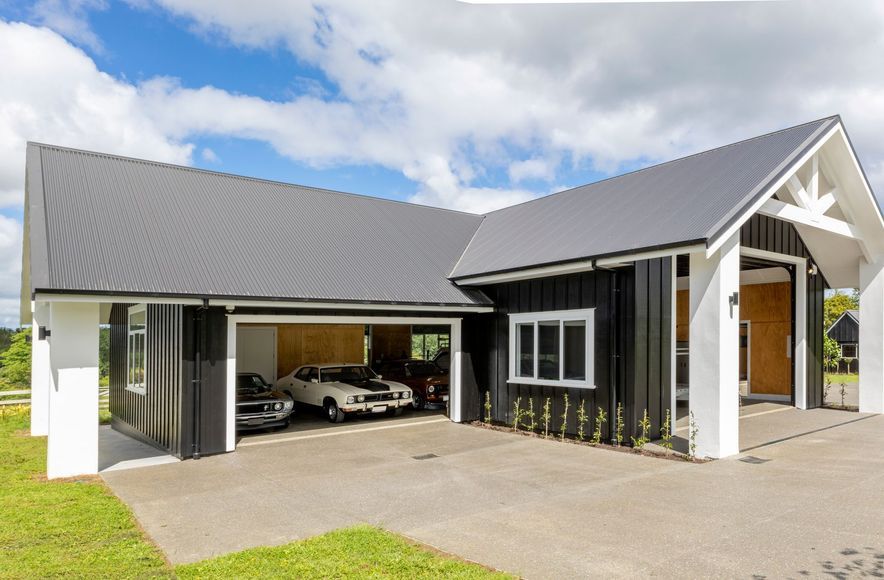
(652,450)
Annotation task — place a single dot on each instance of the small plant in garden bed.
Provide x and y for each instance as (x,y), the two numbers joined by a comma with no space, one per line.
(645,426)
(531,425)
(692,437)
(517,413)
(618,438)
(565,415)
(666,431)
(487,406)
(582,418)
(600,419)
(545,418)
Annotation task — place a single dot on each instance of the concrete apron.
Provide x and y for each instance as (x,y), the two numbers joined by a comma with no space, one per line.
(543,509)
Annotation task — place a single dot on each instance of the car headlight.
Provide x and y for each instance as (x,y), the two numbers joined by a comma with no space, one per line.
(405,394)
(351,400)
(396,395)
(278,406)
(288,405)
(431,389)
(361,398)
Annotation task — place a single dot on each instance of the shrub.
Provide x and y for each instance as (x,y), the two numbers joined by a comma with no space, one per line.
(582,418)
(692,437)
(619,425)
(487,406)
(666,431)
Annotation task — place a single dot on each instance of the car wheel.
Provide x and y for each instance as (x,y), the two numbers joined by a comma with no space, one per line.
(332,412)
(417,400)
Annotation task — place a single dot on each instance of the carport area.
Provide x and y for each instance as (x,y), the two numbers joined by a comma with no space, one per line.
(808,505)
(274,346)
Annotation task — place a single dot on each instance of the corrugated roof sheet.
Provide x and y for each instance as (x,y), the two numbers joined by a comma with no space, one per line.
(683,201)
(117,225)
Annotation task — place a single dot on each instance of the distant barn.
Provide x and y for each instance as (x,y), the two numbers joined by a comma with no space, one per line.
(845,331)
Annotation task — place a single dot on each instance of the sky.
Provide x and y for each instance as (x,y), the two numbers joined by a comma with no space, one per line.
(471,107)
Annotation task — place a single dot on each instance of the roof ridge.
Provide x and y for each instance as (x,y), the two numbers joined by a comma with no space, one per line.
(244,177)
(662,163)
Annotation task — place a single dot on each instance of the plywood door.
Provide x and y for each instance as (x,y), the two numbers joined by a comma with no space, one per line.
(300,344)
(769,309)
(390,341)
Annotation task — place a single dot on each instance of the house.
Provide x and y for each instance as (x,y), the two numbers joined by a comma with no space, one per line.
(703,273)
(845,331)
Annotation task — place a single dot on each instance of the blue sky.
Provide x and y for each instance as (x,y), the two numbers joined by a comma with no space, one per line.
(436,102)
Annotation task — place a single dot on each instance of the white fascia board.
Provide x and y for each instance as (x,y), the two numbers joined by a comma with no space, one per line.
(528,274)
(233,304)
(333,319)
(106,298)
(650,255)
(718,240)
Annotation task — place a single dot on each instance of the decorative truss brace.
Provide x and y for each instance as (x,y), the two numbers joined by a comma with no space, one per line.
(808,207)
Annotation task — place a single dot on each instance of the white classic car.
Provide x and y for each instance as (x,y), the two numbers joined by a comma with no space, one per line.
(344,389)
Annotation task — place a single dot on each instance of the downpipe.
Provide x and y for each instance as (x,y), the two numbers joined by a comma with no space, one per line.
(199,336)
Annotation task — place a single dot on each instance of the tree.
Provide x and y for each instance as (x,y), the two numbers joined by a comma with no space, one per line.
(16,361)
(835,305)
(831,353)
(103,350)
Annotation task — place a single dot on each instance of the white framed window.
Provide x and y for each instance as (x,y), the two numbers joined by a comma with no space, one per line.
(136,349)
(552,348)
(848,350)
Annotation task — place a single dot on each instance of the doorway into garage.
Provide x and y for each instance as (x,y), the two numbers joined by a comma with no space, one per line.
(276,345)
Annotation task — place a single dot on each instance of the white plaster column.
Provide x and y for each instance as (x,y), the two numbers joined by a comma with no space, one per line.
(73,394)
(871,336)
(714,349)
(39,371)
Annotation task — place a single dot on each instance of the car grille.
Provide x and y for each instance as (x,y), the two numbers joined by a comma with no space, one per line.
(379,397)
(257,407)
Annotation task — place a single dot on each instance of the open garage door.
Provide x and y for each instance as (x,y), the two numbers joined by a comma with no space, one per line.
(298,352)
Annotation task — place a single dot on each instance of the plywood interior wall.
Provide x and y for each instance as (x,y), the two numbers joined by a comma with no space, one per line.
(300,344)
(768,308)
(390,341)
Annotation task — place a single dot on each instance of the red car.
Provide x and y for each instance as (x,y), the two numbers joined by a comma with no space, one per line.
(428,382)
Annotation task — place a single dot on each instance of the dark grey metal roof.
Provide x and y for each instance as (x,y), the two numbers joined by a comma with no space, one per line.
(104,224)
(681,202)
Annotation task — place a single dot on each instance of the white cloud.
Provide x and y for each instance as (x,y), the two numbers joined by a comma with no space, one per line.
(533,168)
(70,18)
(10,270)
(209,155)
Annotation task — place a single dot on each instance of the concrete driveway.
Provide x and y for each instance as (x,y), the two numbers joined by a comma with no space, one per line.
(809,505)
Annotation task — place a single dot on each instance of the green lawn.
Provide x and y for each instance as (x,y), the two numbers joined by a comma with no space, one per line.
(78,528)
(837,379)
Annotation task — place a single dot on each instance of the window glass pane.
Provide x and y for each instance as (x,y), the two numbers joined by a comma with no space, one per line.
(131,359)
(848,350)
(548,350)
(525,349)
(137,320)
(575,350)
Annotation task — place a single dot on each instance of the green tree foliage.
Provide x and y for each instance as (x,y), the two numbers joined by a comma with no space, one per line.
(831,353)
(15,361)
(836,304)
(103,350)
(6,338)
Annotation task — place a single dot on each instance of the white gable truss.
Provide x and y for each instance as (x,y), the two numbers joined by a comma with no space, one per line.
(827,197)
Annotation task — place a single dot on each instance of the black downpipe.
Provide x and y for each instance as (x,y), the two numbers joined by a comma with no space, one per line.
(199,335)
(614,373)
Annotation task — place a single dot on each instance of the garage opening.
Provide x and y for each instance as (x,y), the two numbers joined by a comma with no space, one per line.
(333,373)
(770,378)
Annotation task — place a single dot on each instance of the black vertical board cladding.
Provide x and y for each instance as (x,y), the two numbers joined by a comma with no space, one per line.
(638,401)
(154,417)
(655,378)
(213,385)
(571,292)
(773,235)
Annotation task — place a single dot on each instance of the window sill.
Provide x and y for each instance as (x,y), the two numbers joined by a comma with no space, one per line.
(549,383)
(141,391)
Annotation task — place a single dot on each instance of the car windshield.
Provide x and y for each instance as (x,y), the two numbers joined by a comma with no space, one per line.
(251,384)
(423,369)
(345,374)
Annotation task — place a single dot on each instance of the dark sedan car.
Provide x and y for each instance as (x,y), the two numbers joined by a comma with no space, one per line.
(428,382)
(258,405)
